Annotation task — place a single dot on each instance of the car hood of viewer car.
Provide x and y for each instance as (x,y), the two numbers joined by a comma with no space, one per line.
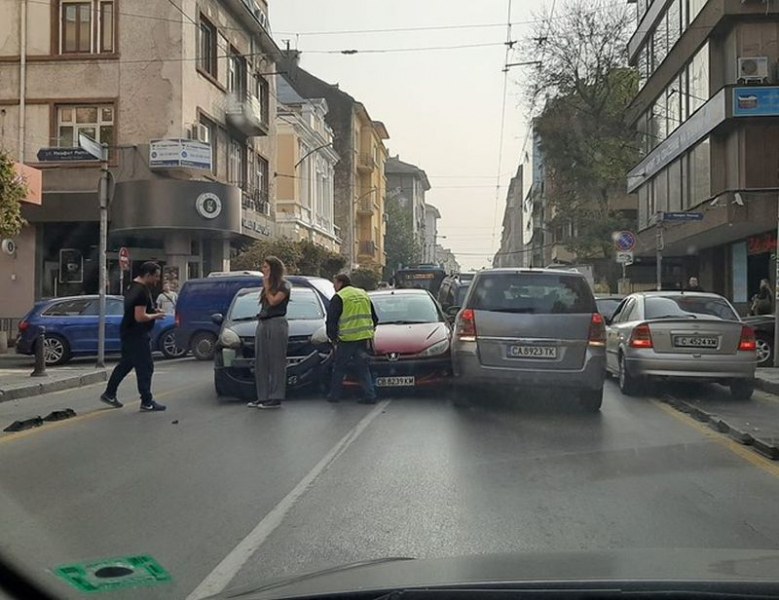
(408,339)
(646,570)
(297,327)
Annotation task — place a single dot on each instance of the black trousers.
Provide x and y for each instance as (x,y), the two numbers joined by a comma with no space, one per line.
(136,354)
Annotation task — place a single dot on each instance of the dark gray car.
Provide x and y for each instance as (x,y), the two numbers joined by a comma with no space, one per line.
(522,328)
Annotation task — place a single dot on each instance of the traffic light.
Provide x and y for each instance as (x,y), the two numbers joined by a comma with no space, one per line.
(71,266)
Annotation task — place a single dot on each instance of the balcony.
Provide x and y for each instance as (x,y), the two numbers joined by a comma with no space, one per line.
(256,200)
(366,163)
(367,250)
(244,112)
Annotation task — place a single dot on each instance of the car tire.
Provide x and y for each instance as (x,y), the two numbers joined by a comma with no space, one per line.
(202,345)
(628,384)
(742,389)
(167,345)
(591,400)
(56,350)
(765,351)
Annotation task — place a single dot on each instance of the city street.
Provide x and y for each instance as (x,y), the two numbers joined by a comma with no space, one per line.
(223,495)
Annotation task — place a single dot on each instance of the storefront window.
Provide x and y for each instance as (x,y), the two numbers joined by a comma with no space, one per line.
(699,79)
(675,186)
(700,166)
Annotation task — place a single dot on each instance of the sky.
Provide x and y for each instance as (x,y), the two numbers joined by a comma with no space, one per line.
(442,108)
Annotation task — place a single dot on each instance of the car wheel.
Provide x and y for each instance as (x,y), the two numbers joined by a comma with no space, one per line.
(591,400)
(742,389)
(765,351)
(168,347)
(56,350)
(202,345)
(628,384)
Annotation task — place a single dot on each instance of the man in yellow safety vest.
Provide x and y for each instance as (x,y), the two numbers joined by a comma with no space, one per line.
(351,324)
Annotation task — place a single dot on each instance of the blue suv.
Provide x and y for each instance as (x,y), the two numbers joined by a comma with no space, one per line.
(199,299)
(71,329)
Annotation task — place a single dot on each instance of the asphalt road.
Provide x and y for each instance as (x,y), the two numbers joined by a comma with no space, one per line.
(220,494)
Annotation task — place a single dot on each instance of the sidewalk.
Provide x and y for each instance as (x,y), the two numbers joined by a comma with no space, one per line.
(768,380)
(16,382)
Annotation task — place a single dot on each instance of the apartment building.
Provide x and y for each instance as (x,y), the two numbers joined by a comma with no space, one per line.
(707,117)
(407,184)
(182,96)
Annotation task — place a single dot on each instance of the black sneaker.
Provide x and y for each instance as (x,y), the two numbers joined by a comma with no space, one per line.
(110,400)
(152,406)
(270,404)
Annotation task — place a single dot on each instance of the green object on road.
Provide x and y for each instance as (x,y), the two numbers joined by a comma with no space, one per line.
(114,574)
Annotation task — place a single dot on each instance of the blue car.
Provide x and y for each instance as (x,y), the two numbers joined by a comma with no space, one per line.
(71,329)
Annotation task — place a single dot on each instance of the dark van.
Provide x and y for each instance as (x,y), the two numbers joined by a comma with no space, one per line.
(201,298)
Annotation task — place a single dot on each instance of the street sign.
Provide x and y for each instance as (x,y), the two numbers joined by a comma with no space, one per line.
(625,257)
(682,216)
(91,146)
(124,259)
(624,240)
(64,155)
(179,153)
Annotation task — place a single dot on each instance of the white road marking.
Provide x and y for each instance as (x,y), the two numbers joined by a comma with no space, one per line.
(228,568)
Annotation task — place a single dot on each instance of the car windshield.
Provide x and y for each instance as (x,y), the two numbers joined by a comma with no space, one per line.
(303,305)
(532,294)
(688,306)
(405,309)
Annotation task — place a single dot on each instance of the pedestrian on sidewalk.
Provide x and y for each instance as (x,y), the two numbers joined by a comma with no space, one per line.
(167,299)
(761,302)
(270,342)
(693,285)
(138,320)
(351,326)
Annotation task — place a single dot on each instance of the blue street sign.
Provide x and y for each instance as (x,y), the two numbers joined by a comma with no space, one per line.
(64,155)
(682,216)
(625,241)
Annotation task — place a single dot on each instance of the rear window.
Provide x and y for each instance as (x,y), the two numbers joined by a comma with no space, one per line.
(462,292)
(67,308)
(533,294)
(607,306)
(686,306)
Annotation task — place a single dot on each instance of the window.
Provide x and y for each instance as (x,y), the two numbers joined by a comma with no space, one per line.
(95,121)
(236,164)
(86,27)
(688,306)
(700,167)
(258,184)
(533,294)
(211,126)
(675,186)
(207,47)
(262,93)
(699,79)
(67,308)
(236,73)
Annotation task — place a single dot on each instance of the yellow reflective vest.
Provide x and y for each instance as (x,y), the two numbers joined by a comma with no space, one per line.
(356,322)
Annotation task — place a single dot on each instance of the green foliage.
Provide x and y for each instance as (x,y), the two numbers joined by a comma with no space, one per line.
(399,242)
(303,257)
(367,279)
(13,190)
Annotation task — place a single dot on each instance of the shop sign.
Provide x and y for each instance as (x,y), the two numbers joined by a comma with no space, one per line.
(256,226)
(760,244)
(756,101)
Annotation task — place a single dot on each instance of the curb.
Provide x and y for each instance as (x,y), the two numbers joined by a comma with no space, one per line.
(767,386)
(764,447)
(26,390)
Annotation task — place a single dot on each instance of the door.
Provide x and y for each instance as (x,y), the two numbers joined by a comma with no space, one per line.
(114,310)
(67,318)
(615,331)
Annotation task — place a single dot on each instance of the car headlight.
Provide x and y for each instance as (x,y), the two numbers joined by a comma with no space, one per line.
(441,347)
(229,339)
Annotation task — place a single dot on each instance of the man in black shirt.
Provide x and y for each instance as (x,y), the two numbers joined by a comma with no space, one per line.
(138,320)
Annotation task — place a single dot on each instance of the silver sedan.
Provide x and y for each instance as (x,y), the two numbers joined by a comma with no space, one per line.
(680,335)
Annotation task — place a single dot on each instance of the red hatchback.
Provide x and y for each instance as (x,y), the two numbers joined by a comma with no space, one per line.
(411,347)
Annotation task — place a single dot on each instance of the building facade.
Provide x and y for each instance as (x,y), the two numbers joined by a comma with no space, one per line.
(407,184)
(706,116)
(306,164)
(432,215)
(182,97)
(512,244)
(360,186)
(446,259)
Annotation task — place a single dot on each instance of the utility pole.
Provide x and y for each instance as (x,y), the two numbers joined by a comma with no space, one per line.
(776,291)
(660,247)
(102,195)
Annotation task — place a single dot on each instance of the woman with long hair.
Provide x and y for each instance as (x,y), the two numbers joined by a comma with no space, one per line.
(270,342)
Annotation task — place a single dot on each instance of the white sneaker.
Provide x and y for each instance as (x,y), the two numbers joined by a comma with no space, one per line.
(253,404)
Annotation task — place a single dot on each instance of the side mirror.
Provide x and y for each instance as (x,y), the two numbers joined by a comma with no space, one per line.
(217,318)
(607,319)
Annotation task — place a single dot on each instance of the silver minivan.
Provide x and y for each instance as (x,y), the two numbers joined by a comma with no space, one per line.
(525,328)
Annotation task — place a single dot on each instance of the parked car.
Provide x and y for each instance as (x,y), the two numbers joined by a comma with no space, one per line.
(71,329)
(680,336)
(411,345)
(526,328)
(764,337)
(308,361)
(453,291)
(199,299)
(607,304)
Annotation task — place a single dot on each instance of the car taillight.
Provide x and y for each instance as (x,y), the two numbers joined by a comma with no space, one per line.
(641,337)
(24,326)
(747,343)
(466,326)
(597,335)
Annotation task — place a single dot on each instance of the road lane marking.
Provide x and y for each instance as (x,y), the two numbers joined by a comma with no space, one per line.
(98,411)
(218,579)
(750,456)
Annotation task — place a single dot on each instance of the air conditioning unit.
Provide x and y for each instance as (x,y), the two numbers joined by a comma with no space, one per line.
(201,133)
(752,69)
